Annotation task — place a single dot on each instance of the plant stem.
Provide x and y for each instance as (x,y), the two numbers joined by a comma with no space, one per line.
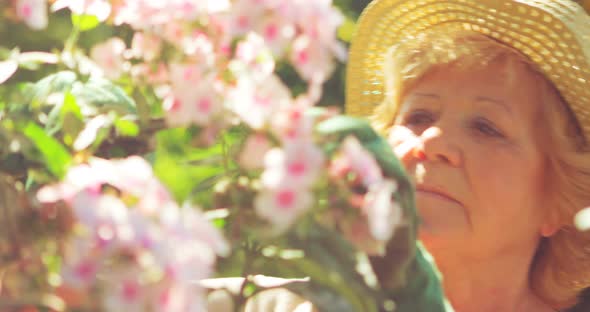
(250,251)
(224,149)
(72,40)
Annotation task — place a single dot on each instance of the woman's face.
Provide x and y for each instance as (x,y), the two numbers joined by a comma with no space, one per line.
(467,139)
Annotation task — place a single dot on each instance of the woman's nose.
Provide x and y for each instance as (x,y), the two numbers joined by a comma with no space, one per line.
(436,145)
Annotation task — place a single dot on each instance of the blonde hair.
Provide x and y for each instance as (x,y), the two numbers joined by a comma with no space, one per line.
(561,267)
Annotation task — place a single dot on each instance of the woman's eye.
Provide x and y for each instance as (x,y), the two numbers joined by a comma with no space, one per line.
(487,128)
(418,118)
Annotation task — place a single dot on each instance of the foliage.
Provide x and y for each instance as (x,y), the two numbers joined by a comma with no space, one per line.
(146,146)
(149,145)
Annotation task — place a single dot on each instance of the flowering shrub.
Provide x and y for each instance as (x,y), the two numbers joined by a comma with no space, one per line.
(148,145)
(153,144)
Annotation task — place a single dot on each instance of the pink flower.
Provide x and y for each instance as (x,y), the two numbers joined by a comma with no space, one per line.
(191,9)
(361,161)
(155,75)
(133,176)
(124,290)
(255,103)
(33,12)
(194,99)
(178,297)
(282,206)
(318,19)
(77,179)
(135,236)
(143,14)
(298,164)
(253,59)
(199,47)
(139,13)
(183,76)
(243,17)
(188,223)
(277,33)
(312,61)
(81,263)
(252,155)
(146,45)
(147,14)
(109,57)
(291,123)
(99,8)
(383,213)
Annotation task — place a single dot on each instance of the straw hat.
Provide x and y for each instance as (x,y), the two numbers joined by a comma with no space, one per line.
(554,34)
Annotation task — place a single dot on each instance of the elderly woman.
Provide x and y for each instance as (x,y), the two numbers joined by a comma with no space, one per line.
(487,104)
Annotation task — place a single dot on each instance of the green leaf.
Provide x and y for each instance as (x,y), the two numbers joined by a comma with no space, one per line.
(70,106)
(180,178)
(346,30)
(55,155)
(143,107)
(71,119)
(56,83)
(327,249)
(100,95)
(66,112)
(190,171)
(126,127)
(85,22)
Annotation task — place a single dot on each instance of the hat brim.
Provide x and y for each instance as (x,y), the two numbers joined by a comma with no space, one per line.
(555,35)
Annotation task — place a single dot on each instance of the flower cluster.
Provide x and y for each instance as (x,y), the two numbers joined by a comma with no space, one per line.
(296,171)
(290,169)
(132,243)
(204,66)
(380,213)
(204,71)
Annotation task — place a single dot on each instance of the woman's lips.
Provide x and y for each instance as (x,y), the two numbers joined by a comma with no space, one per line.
(436,192)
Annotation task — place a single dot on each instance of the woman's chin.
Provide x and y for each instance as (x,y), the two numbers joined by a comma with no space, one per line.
(435,233)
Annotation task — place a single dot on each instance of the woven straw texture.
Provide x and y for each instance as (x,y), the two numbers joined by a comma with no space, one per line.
(554,34)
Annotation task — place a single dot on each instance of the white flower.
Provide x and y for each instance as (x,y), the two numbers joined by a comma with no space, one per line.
(145,45)
(383,213)
(312,61)
(125,292)
(252,154)
(298,164)
(199,104)
(361,161)
(277,32)
(256,102)
(282,207)
(253,59)
(292,124)
(99,8)
(33,12)
(108,55)
(195,98)
(80,264)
